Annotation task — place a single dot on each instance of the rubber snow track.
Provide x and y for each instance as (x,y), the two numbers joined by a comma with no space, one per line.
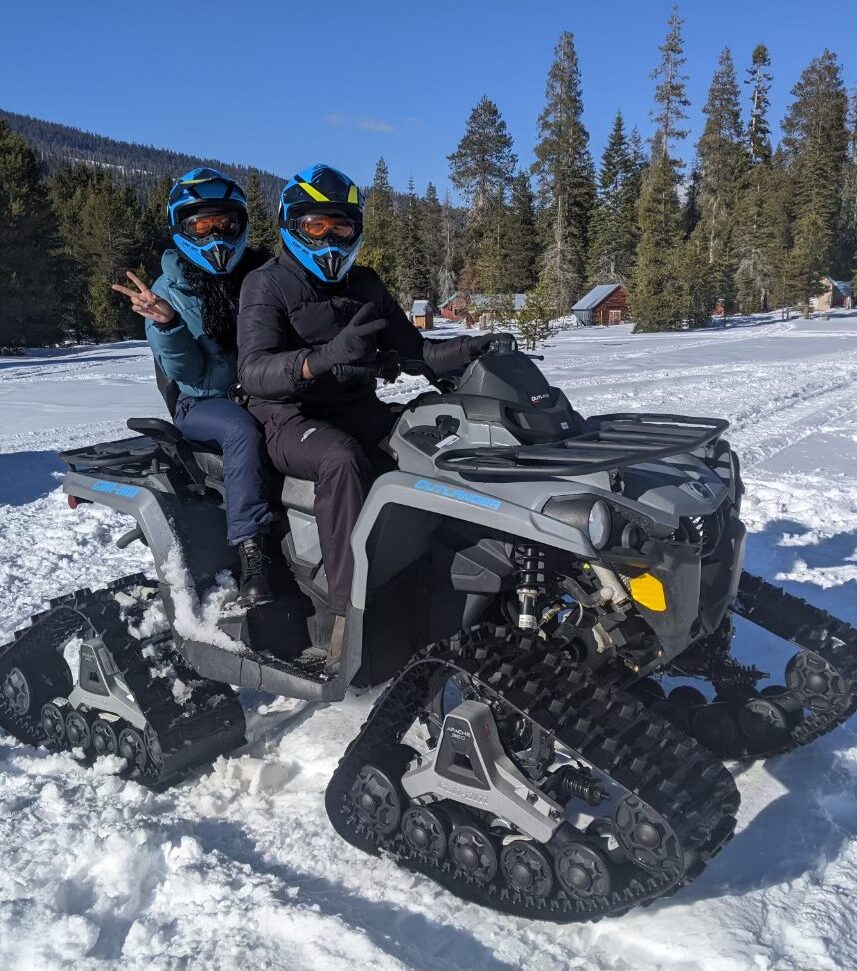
(239,867)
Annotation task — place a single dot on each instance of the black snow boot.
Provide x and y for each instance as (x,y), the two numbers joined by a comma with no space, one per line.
(253,584)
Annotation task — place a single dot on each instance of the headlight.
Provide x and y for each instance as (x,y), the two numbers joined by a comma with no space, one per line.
(599,524)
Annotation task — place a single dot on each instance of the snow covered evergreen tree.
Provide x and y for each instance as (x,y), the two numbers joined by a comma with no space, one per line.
(566,178)
(380,228)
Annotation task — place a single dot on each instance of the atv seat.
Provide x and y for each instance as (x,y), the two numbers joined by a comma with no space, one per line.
(296,494)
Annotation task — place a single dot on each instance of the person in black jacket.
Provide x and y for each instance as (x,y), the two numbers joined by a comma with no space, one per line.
(310,326)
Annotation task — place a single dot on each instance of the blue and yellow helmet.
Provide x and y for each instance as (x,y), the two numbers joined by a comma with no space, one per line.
(322,190)
(215,244)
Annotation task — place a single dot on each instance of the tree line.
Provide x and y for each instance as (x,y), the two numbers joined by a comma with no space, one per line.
(749,225)
(66,236)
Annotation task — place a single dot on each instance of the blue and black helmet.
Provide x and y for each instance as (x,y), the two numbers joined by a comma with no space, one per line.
(207,213)
(321,221)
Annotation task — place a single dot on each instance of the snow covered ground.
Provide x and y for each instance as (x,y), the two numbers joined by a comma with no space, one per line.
(239,867)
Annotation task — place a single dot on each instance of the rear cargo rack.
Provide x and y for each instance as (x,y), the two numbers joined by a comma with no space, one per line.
(609,442)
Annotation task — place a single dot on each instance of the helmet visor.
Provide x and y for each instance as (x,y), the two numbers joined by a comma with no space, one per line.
(222,225)
(317,228)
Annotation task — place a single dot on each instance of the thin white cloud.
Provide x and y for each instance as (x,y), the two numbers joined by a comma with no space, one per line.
(365,122)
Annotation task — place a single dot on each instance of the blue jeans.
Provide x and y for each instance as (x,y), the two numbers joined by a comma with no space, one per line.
(220,422)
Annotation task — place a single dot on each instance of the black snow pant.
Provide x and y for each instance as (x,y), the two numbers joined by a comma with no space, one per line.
(340,453)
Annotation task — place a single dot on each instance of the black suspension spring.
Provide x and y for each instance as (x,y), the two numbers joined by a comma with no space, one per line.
(529,566)
(576,784)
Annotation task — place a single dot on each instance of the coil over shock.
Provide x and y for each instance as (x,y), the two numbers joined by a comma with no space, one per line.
(529,563)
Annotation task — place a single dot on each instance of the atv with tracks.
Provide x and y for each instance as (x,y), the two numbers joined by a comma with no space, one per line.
(552,596)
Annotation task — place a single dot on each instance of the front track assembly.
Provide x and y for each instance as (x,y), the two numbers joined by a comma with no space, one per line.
(634,811)
(817,692)
(137,698)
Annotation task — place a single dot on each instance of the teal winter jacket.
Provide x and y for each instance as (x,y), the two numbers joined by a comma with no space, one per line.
(197,363)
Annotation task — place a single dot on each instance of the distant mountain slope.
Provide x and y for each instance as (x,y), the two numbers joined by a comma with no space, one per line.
(141,166)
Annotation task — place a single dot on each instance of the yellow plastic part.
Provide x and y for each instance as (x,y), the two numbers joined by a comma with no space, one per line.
(648,591)
(353,196)
(313,192)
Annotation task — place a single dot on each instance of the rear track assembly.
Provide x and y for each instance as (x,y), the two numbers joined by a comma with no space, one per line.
(175,731)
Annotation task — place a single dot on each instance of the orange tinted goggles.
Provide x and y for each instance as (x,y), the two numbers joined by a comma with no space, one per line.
(320,226)
(224,223)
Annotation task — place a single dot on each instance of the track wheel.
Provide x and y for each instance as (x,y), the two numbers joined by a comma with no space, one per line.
(77,730)
(472,851)
(815,683)
(715,726)
(153,745)
(17,691)
(105,741)
(53,723)
(764,724)
(424,831)
(526,868)
(583,871)
(132,747)
(645,836)
(686,696)
(375,797)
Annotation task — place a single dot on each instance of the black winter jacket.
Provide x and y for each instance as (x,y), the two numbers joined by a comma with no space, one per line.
(284,314)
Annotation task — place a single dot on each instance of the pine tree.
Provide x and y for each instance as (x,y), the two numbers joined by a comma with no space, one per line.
(723,165)
(99,224)
(413,271)
(613,232)
(566,177)
(481,167)
(432,240)
(657,298)
(154,228)
(380,228)
(758,128)
(264,233)
(670,92)
(451,263)
(761,224)
(815,146)
(522,244)
(31,271)
(846,235)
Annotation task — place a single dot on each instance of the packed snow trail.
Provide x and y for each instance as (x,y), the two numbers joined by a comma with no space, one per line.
(239,866)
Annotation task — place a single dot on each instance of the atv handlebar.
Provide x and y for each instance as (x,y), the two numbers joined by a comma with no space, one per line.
(388,367)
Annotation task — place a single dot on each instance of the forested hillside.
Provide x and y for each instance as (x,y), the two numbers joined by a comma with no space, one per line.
(141,166)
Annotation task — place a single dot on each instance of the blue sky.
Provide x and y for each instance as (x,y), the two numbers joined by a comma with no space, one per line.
(280,84)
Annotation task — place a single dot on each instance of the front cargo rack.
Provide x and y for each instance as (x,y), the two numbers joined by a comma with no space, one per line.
(609,442)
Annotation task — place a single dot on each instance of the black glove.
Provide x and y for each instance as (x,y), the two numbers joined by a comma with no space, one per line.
(356,343)
(477,346)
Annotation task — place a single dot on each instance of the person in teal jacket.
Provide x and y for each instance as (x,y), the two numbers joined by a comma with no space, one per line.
(191,313)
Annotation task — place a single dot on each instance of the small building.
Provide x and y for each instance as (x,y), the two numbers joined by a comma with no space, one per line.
(836,293)
(455,306)
(422,314)
(605,304)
